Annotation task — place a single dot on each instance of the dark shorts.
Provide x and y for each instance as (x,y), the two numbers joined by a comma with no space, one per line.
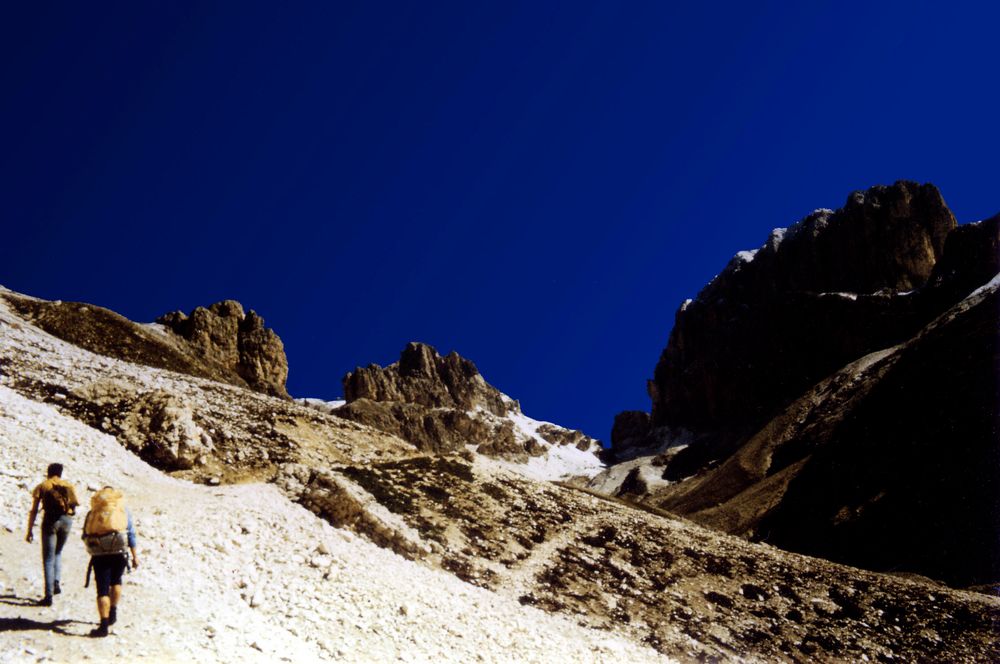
(108,572)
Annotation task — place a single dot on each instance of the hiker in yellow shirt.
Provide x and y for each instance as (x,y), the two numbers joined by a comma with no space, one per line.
(57,498)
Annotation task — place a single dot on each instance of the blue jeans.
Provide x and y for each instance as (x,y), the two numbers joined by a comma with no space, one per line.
(53,538)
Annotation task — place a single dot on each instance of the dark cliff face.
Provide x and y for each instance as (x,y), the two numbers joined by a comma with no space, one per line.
(813,298)
(225,336)
(911,479)
(845,410)
(971,258)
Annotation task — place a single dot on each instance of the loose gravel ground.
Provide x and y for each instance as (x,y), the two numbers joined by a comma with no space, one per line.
(241,573)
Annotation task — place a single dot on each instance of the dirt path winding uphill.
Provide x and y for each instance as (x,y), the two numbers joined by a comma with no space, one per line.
(521,579)
(239,573)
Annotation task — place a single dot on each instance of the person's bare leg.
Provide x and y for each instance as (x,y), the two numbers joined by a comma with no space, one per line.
(116,595)
(103,608)
(104,603)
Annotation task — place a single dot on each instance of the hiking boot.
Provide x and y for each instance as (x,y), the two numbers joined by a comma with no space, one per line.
(45,601)
(99,631)
(56,588)
(113,615)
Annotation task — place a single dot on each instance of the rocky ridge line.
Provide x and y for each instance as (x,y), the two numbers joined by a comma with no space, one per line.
(219,343)
(203,429)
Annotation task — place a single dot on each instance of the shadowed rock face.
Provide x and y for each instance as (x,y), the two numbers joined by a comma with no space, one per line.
(775,322)
(631,428)
(422,376)
(850,413)
(912,481)
(889,464)
(225,335)
(971,258)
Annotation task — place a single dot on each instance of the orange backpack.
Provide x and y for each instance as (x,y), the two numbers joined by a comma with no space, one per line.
(104,528)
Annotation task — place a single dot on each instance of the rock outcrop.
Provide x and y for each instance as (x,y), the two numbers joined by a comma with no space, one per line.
(227,336)
(219,343)
(422,376)
(871,466)
(437,430)
(175,417)
(971,258)
(157,425)
(443,404)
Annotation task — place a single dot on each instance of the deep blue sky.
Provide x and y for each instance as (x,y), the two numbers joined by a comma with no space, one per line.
(536,185)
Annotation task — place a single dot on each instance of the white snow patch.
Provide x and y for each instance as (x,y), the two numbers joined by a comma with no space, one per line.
(775,238)
(558,462)
(158,328)
(990,285)
(842,295)
(746,256)
(672,441)
(320,404)
(561,461)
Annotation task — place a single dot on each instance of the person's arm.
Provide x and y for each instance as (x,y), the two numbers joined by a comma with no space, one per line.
(73,502)
(31,518)
(131,541)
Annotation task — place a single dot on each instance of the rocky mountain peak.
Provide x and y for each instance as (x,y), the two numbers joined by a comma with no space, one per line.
(444,405)
(834,392)
(422,376)
(815,296)
(224,334)
(885,239)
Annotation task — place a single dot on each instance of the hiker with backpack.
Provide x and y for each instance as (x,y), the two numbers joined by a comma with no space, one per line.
(109,536)
(57,498)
